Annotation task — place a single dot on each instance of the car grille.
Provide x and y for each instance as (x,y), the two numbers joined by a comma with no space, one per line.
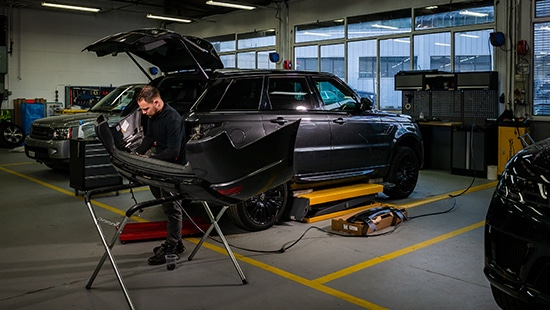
(509,252)
(42,133)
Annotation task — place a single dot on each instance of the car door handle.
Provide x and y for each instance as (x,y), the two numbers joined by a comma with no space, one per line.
(339,121)
(279,120)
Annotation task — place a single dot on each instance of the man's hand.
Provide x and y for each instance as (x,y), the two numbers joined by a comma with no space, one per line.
(138,154)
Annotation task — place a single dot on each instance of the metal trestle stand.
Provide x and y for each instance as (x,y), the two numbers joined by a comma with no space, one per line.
(214,224)
(139,206)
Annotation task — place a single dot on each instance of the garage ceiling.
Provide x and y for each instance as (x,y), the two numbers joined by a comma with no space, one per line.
(192,9)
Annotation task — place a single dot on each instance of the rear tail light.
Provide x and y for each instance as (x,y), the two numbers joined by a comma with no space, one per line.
(230,191)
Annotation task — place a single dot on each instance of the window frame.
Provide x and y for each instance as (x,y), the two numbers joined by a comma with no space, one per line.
(299,45)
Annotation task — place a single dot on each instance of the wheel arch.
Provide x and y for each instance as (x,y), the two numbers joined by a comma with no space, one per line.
(413,142)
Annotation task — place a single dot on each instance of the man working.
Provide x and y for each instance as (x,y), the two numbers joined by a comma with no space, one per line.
(165,131)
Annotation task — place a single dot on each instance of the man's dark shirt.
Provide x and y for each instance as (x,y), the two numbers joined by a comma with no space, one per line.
(166,131)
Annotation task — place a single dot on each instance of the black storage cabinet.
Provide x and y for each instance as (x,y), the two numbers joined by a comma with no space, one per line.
(90,166)
(474,149)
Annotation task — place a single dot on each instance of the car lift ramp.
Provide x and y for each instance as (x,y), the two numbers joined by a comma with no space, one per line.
(137,207)
(318,205)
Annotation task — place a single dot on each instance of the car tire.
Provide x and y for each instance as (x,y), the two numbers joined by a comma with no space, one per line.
(11,135)
(506,301)
(261,211)
(403,173)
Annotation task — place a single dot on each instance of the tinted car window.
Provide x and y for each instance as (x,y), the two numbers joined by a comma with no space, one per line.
(334,96)
(289,94)
(185,91)
(117,100)
(214,93)
(242,94)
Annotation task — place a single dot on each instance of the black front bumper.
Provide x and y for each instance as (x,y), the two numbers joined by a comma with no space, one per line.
(517,250)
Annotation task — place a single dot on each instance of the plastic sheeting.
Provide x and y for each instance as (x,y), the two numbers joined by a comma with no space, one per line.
(29,113)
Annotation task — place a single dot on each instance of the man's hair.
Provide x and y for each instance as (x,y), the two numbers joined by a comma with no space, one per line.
(148,93)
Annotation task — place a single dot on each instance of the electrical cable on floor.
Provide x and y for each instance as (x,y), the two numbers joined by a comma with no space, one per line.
(290,244)
(134,199)
(439,212)
(286,246)
(472,154)
(133,196)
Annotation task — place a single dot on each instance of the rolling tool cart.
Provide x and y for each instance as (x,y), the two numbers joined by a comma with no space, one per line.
(90,166)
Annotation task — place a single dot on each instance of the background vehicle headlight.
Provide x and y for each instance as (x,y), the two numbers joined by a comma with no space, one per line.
(61,134)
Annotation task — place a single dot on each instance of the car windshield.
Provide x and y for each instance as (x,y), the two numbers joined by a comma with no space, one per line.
(117,99)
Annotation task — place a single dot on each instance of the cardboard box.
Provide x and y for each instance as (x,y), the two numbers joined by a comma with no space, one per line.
(381,217)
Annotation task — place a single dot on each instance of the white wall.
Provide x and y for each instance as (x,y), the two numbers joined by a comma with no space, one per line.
(46,54)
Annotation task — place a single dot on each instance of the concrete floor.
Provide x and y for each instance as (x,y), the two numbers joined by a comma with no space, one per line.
(50,249)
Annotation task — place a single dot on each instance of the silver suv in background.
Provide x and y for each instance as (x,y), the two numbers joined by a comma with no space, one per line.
(49,139)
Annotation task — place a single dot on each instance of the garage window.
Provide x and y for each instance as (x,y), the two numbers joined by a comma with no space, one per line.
(541,59)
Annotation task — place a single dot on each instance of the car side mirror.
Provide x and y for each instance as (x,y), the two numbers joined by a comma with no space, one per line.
(366,104)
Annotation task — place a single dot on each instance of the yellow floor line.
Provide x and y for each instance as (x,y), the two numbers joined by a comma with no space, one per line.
(317,284)
(446,196)
(66,192)
(398,253)
(290,276)
(17,164)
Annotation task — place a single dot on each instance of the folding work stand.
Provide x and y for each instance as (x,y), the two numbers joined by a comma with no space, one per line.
(139,206)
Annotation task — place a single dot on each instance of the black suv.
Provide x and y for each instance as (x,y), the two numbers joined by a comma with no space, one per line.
(517,231)
(340,137)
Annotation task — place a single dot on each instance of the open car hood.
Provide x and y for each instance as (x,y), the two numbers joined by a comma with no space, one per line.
(217,170)
(163,48)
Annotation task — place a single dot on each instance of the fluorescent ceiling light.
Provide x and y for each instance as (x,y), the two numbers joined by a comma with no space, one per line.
(172,19)
(442,44)
(231,5)
(469,36)
(317,34)
(476,14)
(402,41)
(432,7)
(384,27)
(70,7)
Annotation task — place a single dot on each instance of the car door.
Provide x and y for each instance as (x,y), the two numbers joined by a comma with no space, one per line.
(232,105)
(357,137)
(290,98)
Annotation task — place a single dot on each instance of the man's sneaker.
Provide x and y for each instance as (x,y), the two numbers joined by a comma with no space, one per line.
(159,257)
(179,247)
